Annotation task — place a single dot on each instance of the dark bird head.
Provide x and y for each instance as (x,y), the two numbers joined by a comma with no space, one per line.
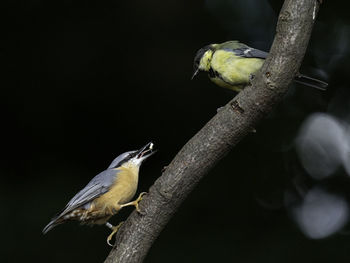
(202,59)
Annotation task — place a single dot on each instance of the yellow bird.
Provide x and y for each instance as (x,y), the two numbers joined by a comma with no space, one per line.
(106,193)
(232,64)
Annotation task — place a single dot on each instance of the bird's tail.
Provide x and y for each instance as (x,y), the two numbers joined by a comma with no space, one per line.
(311,82)
(54,222)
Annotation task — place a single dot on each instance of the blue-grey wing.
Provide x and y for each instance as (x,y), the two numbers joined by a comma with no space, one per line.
(248,52)
(242,50)
(99,185)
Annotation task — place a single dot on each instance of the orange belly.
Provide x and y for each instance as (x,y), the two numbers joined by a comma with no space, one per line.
(121,192)
(108,204)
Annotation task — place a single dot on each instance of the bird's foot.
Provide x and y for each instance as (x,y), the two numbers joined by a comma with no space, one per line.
(115,230)
(137,202)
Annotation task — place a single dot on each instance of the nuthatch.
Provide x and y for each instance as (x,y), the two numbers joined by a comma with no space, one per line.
(106,193)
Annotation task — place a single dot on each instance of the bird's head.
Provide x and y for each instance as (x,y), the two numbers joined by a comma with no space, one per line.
(133,158)
(202,59)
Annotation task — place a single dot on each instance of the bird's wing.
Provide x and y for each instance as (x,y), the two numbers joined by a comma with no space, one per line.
(248,52)
(99,185)
(242,50)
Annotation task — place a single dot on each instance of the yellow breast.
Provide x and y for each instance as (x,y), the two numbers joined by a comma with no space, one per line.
(122,191)
(226,85)
(234,70)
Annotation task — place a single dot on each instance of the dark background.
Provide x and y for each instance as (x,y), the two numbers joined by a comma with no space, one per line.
(86,82)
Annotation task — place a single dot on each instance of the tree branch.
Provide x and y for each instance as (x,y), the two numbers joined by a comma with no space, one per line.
(220,134)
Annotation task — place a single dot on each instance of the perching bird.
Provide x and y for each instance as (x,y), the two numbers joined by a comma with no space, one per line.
(232,65)
(106,193)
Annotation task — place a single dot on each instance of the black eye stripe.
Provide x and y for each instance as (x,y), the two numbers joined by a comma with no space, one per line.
(123,161)
(126,159)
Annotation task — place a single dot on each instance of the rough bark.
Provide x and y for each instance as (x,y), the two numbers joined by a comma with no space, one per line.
(234,121)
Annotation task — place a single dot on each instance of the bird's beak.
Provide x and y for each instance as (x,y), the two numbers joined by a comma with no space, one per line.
(146,151)
(195,73)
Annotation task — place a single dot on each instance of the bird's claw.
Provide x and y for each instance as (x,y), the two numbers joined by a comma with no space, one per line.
(138,200)
(109,239)
(115,230)
(135,203)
